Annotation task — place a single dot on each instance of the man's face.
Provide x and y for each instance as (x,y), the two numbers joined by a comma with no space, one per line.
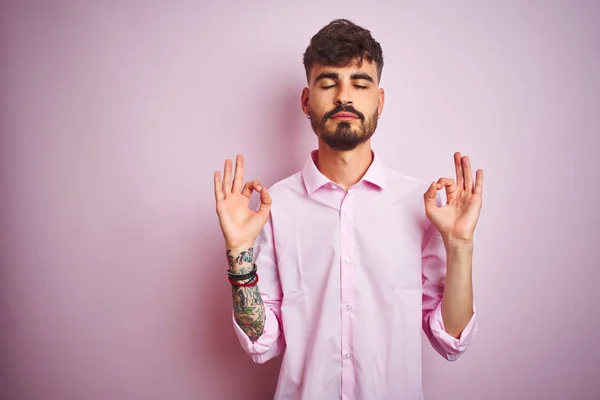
(343,103)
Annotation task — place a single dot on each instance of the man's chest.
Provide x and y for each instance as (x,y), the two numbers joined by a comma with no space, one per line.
(374,238)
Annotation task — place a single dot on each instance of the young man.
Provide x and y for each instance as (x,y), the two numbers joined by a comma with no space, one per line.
(354,258)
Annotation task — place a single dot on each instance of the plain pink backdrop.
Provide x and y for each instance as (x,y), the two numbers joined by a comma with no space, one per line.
(114,117)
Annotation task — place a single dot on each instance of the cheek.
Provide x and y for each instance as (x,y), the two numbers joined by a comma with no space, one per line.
(374,98)
(366,101)
(320,108)
(320,101)
(373,106)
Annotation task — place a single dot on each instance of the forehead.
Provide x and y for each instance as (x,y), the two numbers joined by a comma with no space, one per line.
(353,67)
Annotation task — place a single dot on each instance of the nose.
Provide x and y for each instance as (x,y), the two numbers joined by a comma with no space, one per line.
(343,96)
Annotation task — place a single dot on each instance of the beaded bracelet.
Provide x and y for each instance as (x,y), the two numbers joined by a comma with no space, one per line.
(251,283)
(237,277)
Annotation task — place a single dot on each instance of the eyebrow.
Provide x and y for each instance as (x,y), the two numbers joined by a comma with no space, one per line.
(335,75)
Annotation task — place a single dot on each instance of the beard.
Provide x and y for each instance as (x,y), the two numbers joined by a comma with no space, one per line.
(347,135)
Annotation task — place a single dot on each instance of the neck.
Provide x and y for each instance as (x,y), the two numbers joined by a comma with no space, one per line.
(345,168)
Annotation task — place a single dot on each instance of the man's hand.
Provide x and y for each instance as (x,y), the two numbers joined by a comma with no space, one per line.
(240,224)
(456,220)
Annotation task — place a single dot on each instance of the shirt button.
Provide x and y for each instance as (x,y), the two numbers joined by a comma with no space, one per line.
(348,307)
(332,185)
(348,355)
(345,212)
(347,259)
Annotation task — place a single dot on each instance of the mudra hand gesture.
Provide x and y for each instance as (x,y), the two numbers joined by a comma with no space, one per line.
(457,219)
(240,224)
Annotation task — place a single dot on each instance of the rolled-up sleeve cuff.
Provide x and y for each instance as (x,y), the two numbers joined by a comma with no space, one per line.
(268,345)
(453,347)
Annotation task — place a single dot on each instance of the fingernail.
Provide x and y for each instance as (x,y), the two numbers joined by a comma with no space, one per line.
(259,187)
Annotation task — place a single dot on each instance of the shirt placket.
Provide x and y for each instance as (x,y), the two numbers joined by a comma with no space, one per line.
(347,295)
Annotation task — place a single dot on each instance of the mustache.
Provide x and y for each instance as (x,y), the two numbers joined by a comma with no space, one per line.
(349,109)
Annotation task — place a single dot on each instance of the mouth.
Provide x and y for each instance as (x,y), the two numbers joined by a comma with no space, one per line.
(344,116)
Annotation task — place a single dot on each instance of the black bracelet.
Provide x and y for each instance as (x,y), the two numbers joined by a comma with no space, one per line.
(237,277)
(250,283)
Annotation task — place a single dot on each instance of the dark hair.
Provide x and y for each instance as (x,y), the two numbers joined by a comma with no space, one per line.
(340,42)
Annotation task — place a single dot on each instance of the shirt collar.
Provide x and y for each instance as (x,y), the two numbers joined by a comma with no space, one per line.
(314,179)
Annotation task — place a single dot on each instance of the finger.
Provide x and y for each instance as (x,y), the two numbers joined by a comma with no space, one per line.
(238,179)
(251,186)
(218,190)
(478,182)
(451,188)
(265,203)
(227,178)
(429,196)
(467,173)
(459,172)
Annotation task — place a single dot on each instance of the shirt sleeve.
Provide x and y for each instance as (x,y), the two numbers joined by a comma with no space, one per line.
(433,261)
(271,343)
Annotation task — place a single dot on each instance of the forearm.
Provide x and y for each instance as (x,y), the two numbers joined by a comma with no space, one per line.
(457,303)
(248,306)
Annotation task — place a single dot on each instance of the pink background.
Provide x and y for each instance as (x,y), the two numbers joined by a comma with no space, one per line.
(113,119)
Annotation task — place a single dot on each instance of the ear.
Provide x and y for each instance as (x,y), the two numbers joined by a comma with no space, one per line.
(380,102)
(304,100)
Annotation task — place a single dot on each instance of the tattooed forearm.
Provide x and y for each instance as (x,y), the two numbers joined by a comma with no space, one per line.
(248,306)
(239,260)
(249,311)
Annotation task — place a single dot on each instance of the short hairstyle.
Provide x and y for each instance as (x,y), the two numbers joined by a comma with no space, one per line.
(340,42)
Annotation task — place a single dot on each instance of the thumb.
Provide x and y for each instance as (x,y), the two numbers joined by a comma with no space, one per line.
(429,197)
(265,203)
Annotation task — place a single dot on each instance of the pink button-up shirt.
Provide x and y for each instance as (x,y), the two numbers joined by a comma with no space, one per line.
(348,280)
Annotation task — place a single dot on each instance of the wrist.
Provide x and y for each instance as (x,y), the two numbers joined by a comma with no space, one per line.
(243,277)
(238,247)
(240,258)
(459,245)
(459,254)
